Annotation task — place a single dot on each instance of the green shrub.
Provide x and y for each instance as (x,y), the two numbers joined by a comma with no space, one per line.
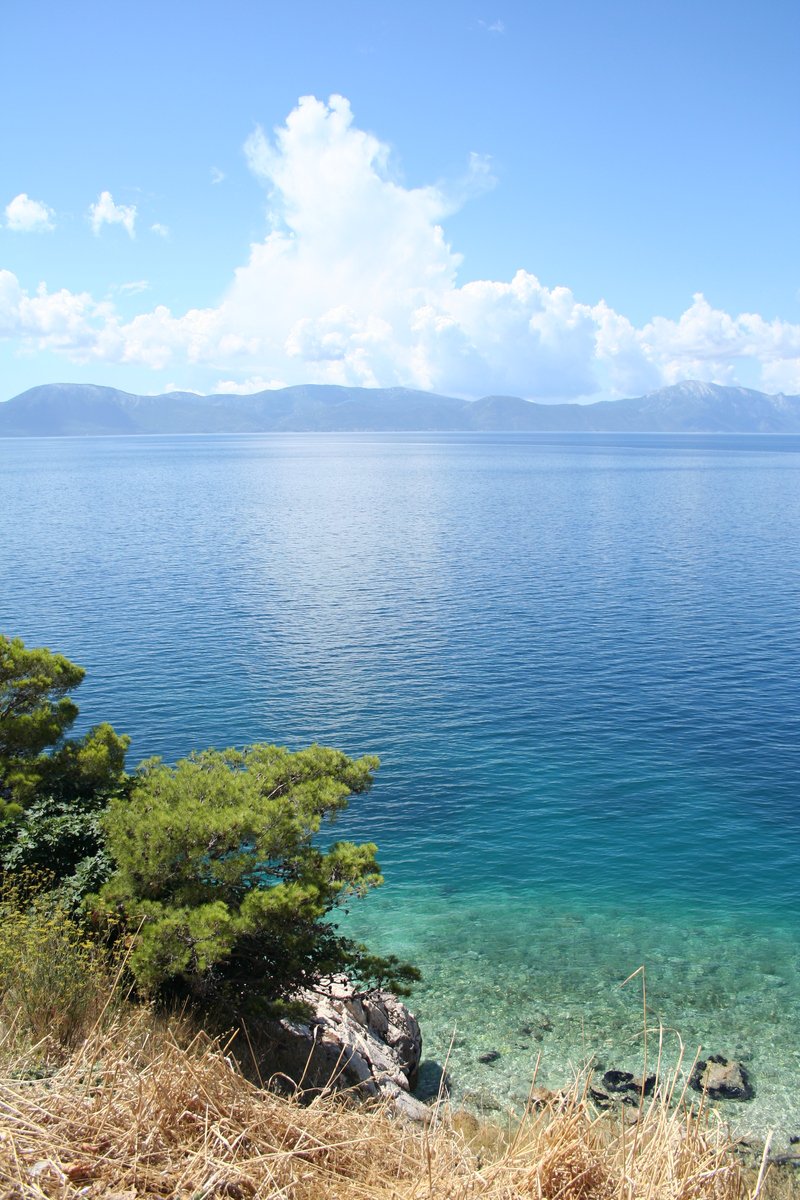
(217,868)
(55,981)
(53,788)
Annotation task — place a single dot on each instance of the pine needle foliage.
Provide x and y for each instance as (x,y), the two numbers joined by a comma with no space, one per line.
(217,869)
(53,788)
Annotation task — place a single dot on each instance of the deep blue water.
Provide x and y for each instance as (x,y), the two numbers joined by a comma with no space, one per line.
(577,657)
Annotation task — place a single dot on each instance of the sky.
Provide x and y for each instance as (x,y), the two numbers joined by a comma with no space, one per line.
(562,200)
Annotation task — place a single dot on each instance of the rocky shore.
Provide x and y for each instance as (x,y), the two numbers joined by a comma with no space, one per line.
(367,1044)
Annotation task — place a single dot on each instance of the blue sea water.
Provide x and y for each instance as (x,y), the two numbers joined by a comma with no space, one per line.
(577,656)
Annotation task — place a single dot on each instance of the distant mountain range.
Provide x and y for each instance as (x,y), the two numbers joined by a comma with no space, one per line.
(73,409)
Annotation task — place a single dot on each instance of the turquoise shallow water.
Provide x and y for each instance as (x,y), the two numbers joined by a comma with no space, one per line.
(541,982)
(577,657)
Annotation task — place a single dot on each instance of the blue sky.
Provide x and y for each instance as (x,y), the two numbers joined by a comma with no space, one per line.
(577,199)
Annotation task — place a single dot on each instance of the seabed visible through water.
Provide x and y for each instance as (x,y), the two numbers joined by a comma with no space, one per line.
(544,987)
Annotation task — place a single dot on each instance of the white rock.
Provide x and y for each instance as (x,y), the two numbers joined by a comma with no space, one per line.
(367,1043)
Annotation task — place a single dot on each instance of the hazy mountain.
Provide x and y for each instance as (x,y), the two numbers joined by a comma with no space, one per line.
(62,409)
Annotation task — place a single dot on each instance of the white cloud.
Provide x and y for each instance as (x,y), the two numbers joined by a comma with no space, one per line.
(62,320)
(133,288)
(105,212)
(247,387)
(217,176)
(160,230)
(24,215)
(356,283)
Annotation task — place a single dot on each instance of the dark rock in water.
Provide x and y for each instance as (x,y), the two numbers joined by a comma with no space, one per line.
(629,1089)
(621,1088)
(722,1079)
(784,1160)
(618,1081)
(489,1056)
(432,1081)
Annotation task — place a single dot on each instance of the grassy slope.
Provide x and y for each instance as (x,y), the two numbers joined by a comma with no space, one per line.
(143,1108)
(101,1098)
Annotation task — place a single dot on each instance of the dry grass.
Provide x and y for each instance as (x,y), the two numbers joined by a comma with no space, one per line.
(145,1109)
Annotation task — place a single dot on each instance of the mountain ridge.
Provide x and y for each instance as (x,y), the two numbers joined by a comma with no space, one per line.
(63,409)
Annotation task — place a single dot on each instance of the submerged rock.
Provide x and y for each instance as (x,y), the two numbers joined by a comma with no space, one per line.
(722,1079)
(482,1100)
(367,1044)
(602,1098)
(624,1081)
(621,1087)
(618,1081)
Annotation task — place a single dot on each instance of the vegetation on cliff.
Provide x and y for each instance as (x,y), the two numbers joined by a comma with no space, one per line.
(210,867)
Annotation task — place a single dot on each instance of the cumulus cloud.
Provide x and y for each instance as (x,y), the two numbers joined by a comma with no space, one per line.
(61,320)
(24,215)
(159,229)
(105,212)
(355,282)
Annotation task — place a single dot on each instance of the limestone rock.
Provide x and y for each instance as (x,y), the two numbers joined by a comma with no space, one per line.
(367,1044)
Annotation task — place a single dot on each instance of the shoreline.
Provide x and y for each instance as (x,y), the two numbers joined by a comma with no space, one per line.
(541,988)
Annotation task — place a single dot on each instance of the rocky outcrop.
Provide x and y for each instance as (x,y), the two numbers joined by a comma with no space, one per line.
(722,1079)
(366,1044)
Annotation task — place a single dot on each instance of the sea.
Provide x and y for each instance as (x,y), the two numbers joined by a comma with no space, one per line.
(578,658)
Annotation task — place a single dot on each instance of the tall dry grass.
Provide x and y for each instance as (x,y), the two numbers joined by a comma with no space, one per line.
(99,1098)
(145,1109)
